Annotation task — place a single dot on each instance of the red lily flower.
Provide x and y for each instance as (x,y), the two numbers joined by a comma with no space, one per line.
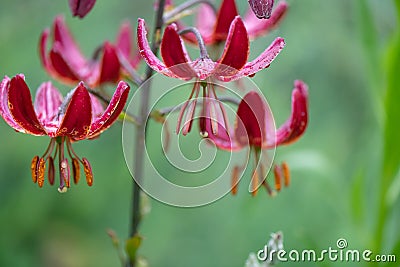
(76,117)
(65,62)
(231,66)
(81,8)
(255,127)
(216,28)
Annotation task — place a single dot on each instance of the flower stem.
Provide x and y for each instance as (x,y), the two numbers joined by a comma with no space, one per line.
(188,4)
(140,130)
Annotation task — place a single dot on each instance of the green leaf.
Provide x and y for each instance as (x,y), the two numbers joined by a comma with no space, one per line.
(132,245)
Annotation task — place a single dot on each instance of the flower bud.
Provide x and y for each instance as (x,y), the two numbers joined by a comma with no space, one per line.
(80,8)
(262,8)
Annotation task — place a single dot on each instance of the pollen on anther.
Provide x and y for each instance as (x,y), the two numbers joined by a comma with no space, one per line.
(286,174)
(34,163)
(41,168)
(76,170)
(88,171)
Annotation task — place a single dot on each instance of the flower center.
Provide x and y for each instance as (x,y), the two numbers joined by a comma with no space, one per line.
(57,148)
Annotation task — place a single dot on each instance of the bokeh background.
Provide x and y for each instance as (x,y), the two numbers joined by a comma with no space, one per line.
(340,48)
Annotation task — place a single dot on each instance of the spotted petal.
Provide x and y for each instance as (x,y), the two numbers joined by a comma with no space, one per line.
(21,107)
(78,114)
(4,110)
(47,103)
(114,109)
(147,54)
(261,62)
(295,126)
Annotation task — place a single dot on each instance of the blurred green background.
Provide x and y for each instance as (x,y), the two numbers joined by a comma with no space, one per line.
(338,47)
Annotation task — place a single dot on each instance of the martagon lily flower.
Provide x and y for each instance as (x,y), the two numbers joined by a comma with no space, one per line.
(231,66)
(76,117)
(66,63)
(254,127)
(215,28)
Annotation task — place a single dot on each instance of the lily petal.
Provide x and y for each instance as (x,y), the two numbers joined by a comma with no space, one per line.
(261,62)
(47,103)
(205,26)
(226,14)
(21,107)
(147,54)
(61,68)
(295,126)
(78,114)
(262,8)
(256,27)
(236,49)
(110,66)
(174,54)
(250,121)
(112,112)
(124,44)
(67,45)
(42,51)
(4,110)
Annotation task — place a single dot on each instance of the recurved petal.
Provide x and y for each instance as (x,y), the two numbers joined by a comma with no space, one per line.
(226,14)
(236,49)
(261,62)
(250,120)
(112,112)
(174,54)
(67,46)
(205,26)
(43,51)
(4,110)
(47,102)
(147,54)
(295,126)
(77,111)
(256,27)
(61,68)
(21,107)
(110,66)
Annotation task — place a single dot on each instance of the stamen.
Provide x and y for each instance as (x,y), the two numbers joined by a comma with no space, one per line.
(183,108)
(41,168)
(254,183)
(65,172)
(221,106)
(34,163)
(278,177)
(76,170)
(286,174)
(51,171)
(88,171)
(189,117)
(235,180)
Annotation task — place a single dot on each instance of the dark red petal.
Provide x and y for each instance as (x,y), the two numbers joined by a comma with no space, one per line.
(112,112)
(43,51)
(21,108)
(110,66)
(250,124)
(226,14)
(174,55)
(236,49)
(78,114)
(61,67)
(4,110)
(295,126)
(81,8)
